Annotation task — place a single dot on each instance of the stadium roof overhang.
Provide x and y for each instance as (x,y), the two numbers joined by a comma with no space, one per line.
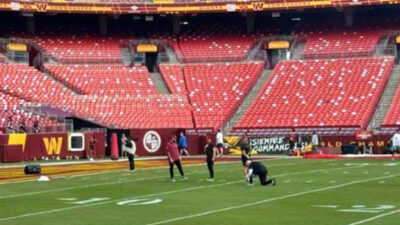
(170,7)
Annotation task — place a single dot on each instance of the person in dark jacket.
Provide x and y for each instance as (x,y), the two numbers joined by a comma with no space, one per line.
(257,168)
(211,151)
(246,153)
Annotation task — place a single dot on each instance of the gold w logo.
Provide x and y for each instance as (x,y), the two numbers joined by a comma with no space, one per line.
(258,6)
(41,7)
(53,145)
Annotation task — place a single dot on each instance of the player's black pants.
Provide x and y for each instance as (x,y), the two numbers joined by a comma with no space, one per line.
(210,165)
(131,159)
(178,165)
(263,178)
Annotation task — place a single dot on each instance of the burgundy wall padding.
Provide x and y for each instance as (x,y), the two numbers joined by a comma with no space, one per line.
(35,147)
(378,142)
(196,140)
(165,135)
(99,150)
(11,153)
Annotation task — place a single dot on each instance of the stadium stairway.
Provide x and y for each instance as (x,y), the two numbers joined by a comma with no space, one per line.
(247,101)
(380,47)
(171,55)
(252,54)
(159,83)
(126,55)
(298,50)
(386,99)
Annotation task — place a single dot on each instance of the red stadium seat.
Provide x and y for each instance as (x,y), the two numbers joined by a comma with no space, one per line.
(316,93)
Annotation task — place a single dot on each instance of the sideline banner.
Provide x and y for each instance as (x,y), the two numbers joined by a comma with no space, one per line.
(269,145)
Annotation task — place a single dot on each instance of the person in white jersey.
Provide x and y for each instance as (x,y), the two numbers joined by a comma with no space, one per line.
(220,142)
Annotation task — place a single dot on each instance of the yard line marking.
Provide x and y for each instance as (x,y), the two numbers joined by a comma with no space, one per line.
(326,206)
(274,199)
(375,217)
(112,183)
(156,194)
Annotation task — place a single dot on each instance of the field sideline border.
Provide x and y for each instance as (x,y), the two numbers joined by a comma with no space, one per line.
(103,171)
(144,158)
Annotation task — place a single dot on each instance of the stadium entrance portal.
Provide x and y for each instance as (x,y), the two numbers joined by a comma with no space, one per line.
(151,61)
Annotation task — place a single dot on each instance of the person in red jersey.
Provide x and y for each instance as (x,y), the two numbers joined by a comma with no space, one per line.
(92,147)
(174,158)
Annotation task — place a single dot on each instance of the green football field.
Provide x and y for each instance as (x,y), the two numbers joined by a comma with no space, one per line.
(308,192)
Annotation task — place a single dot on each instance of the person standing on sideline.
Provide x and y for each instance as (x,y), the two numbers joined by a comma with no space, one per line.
(124,141)
(257,168)
(220,142)
(183,144)
(211,152)
(246,153)
(92,147)
(315,142)
(174,158)
(395,143)
(130,149)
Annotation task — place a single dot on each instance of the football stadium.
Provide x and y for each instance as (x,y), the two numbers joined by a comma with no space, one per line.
(191,112)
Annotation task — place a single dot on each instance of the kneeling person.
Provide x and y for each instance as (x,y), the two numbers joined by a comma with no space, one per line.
(257,168)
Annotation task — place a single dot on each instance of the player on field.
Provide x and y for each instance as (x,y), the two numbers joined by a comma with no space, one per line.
(257,168)
(395,143)
(174,158)
(220,142)
(183,144)
(246,153)
(211,152)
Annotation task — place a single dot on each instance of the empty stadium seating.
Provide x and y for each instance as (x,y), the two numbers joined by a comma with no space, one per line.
(341,44)
(173,76)
(102,79)
(81,49)
(216,90)
(2,58)
(30,84)
(152,111)
(392,117)
(320,93)
(11,107)
(194,48)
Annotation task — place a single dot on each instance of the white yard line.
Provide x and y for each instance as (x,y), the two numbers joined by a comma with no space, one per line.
(376,217)
(120,182)
(270,200)
(169,192)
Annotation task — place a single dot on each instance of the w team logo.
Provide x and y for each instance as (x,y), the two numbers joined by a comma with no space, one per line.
(151,141)
(258,6)
(41,7)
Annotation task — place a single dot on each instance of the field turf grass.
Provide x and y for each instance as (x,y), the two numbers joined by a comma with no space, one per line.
(308,192)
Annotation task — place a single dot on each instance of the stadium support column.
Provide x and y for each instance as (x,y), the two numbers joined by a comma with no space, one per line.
(29,23)
(176,24)
(103,24)
(250,22)
(348,17)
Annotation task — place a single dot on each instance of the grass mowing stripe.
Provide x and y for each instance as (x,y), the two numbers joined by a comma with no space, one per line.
(161,193)
(375,217)
(119,182)
(275,199)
